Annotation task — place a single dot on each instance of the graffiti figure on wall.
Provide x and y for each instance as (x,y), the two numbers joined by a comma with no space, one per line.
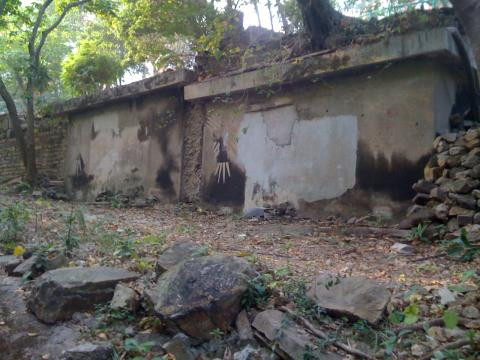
(223,168)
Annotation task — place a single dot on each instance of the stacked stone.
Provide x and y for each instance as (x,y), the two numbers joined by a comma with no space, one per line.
(449,193)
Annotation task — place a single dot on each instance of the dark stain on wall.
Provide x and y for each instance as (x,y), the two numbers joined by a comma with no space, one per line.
(94,133)
(164,179)
(232,192)
(395,177)
(81,179)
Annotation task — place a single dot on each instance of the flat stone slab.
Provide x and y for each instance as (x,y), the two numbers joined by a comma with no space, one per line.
(201,294)
(351,296)
(58,294)
(180,250)
(8,263)
(290,339)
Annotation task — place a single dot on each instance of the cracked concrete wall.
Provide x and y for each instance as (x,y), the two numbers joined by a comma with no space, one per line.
(349,144)
(132,147)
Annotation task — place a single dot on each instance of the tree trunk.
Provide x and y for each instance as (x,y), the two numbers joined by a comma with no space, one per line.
(283,17)
(16,122)
(257,11)
(319,19)
(30,136)
(468,12)
(269,6)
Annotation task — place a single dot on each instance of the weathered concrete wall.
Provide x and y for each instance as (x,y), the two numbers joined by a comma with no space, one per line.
(133,146)
(355,142)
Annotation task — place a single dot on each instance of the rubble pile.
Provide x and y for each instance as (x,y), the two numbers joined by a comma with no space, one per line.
(449,193)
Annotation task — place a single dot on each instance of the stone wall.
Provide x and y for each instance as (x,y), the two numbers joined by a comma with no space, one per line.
(50,145)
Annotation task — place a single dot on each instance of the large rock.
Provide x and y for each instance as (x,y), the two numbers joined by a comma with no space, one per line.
(8,263)
(180,250)
(22,336)
(201,294)
(58,294)
(351,296)
(292,341)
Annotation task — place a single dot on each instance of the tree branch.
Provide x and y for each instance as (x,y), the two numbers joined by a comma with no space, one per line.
(36,26)
(324,336)
(3,5)
(57,22)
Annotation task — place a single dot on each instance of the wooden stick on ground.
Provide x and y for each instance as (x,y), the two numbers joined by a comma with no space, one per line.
(307,324)
(453,345)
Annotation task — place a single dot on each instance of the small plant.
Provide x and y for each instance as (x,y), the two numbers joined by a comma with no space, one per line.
(125,248)
(461,249)
(259,291)
(134,348)
(217,333)
(13,219)
(76,228)
(418,233)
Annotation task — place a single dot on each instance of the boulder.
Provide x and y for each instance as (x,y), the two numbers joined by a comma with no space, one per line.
(8,263)
(351,296)
(57,294)
(180,347)
(180,250)
(124,298)
(201,294)
(22,336)
(89,351)
(291,340)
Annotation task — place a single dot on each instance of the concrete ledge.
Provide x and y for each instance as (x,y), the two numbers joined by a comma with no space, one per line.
(164,81)
(436,42)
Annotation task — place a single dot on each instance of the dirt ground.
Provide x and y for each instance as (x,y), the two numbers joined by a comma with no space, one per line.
(307,246)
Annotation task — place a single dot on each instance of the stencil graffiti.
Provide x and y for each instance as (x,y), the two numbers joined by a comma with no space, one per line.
(222,171)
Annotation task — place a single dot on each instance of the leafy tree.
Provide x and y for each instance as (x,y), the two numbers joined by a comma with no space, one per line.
(91,67)
(23,36)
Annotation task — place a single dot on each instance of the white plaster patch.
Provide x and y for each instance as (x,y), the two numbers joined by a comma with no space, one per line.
(318,163)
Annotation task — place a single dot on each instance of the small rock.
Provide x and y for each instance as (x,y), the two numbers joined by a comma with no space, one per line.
(124,298)
(419,350)
(89,351)
(441,211)
(471,312)
(403,249)
(417,215)
(457,210)
(8,263)
(254,213)
(351,296)
(38,264)
(247,353)
(180,348)
(457,150)
(243,327)
(446,296)
(465,201)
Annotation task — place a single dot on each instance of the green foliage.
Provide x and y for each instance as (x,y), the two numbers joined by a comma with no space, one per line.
(13,219)
(412,313)
(76,228)
(380,8)
(90,68)
(134,348)
(217,333)
(259,291)
(418,233)
(450,318)
(461,248)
